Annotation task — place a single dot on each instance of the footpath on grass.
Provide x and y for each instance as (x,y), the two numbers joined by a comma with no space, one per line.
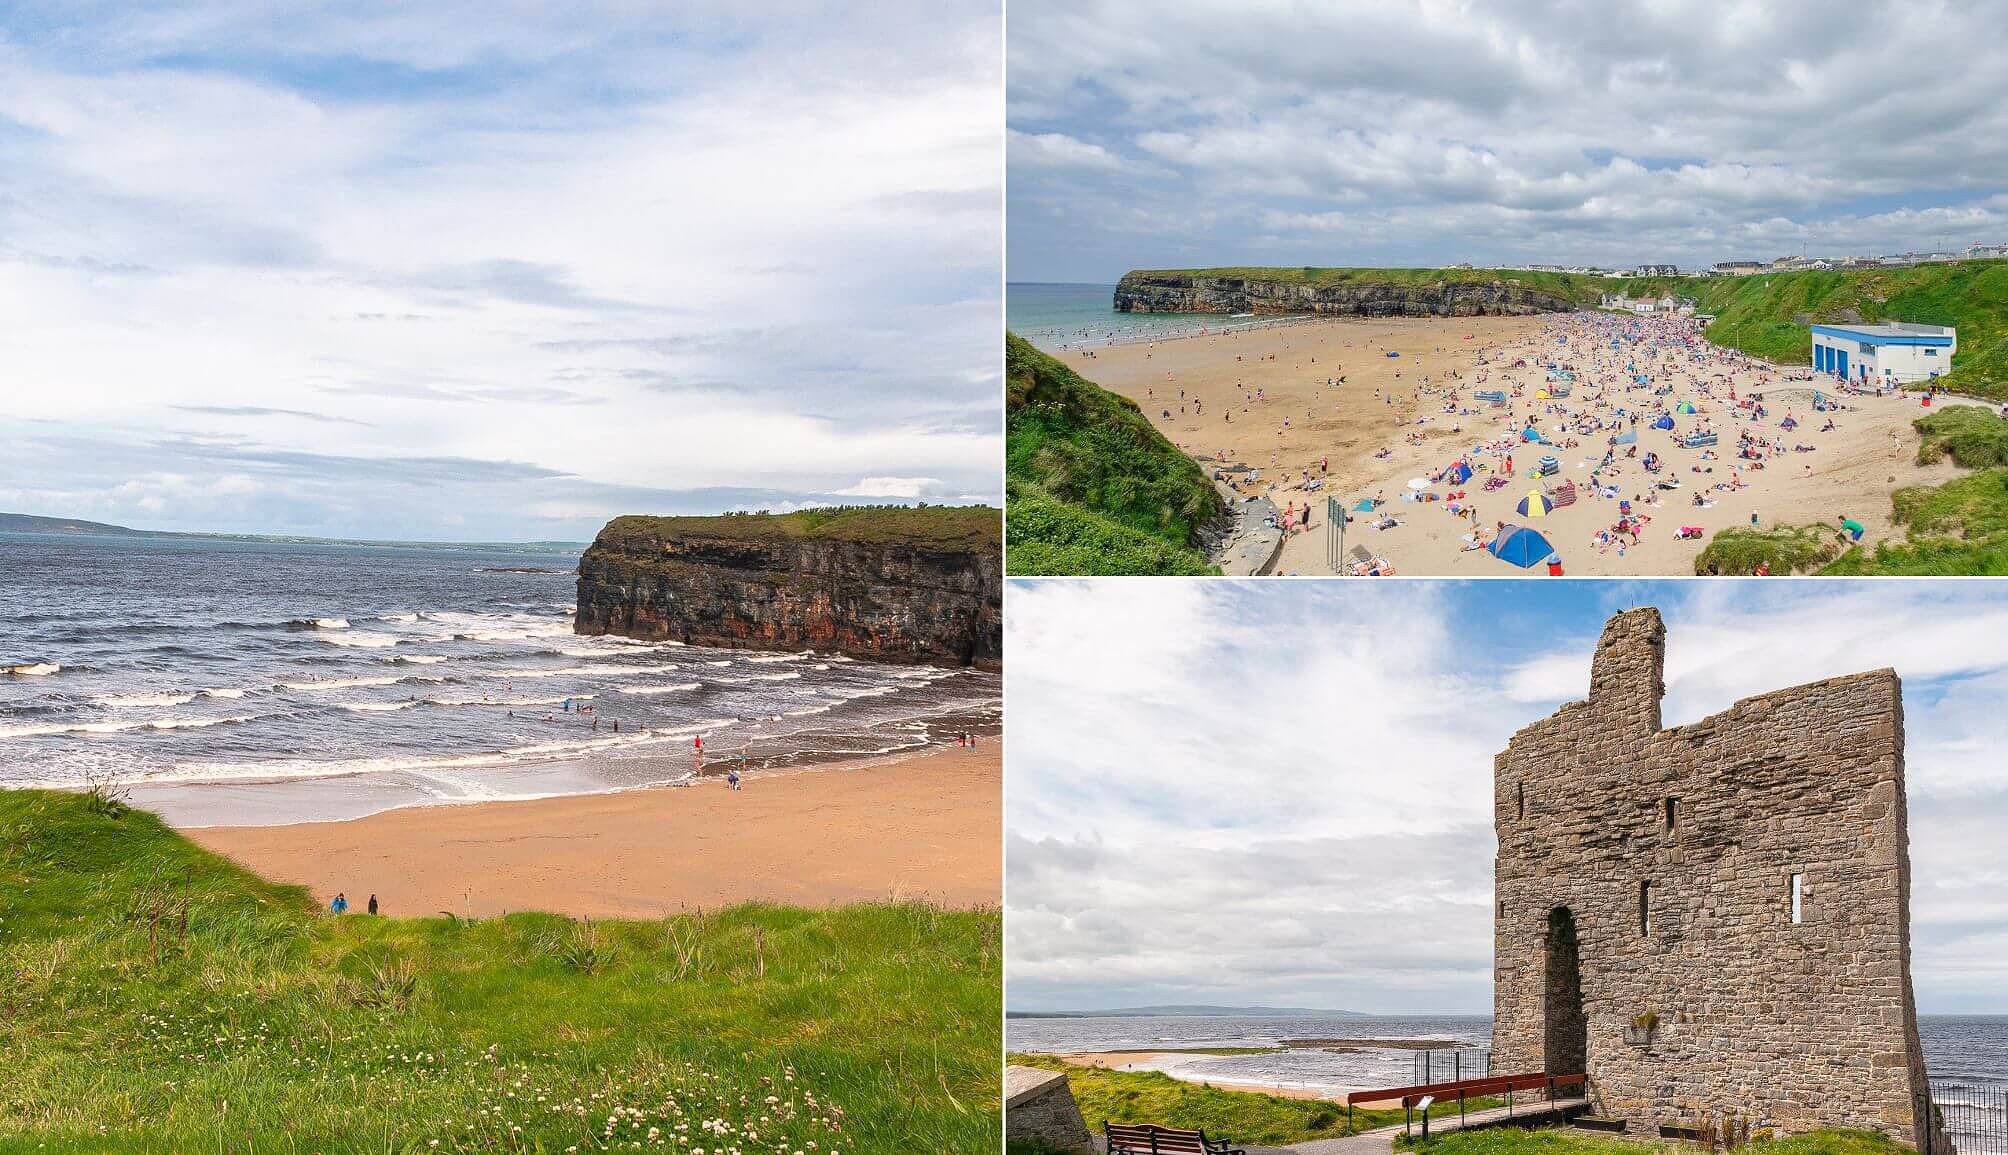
(1381,1141)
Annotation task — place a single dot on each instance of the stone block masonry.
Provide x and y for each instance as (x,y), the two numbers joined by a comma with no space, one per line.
(1711,922)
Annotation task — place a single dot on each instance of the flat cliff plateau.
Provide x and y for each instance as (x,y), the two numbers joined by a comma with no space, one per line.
(919,584)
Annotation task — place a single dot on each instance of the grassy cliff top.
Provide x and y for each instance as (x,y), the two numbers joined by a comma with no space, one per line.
(1576,286)
(1763,314)
(944,527)
(146,982)
(1092,486)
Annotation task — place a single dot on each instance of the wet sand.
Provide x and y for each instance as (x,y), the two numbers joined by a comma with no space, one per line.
(1171,1063)
(1261,398)
(924,826)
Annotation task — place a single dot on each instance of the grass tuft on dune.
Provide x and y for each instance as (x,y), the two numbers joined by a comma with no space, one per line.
(1090,486)
(155,997)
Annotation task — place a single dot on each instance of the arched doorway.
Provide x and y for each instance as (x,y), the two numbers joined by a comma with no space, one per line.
(1567,1036)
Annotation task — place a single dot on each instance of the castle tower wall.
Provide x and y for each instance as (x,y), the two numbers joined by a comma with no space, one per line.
(1675,855)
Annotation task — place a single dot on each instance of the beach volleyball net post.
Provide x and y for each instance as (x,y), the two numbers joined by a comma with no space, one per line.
(1335,535)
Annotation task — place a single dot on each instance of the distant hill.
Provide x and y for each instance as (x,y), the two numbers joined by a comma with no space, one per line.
(31,523)
(1763,314)
(1090,486)
(1194,1011)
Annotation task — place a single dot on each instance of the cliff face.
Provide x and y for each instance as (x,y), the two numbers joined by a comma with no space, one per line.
(1198,293)
(900,585)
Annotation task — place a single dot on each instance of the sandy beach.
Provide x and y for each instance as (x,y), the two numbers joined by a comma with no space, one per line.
(1321,409)
(922,826)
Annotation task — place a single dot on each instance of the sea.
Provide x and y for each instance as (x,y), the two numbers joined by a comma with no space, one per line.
(1056,317)
(1960,1051)
(254,682)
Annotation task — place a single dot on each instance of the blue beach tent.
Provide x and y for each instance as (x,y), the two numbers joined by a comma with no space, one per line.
(1664,422)
(1520,546)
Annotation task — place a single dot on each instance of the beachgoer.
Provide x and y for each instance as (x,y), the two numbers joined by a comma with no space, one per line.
(372,904)
(340,905)
(1854,528)
(732,778)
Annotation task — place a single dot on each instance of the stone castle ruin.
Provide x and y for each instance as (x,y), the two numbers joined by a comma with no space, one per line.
(1711,922)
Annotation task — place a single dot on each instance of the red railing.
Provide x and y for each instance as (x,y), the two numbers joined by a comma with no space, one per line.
(1462,1089)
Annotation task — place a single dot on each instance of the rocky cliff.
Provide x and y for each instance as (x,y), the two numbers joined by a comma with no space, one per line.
(1398,293)
(889,584)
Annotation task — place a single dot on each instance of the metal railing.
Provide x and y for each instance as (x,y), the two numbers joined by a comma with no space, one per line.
(1448,1064)
(1974,1117)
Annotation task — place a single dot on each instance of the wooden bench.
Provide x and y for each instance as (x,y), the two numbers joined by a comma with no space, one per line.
(1151,1139)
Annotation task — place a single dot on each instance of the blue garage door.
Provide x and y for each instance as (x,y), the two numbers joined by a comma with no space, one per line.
(1841,365)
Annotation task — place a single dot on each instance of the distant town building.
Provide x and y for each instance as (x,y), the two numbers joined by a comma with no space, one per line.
(1885,353)
(1738,268)
(1659,270)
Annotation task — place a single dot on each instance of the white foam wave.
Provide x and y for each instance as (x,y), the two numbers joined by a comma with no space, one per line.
(677,688)
(125,701)
(872,692)
(463,701)
(810,710)
(377,707)
(397,617)
(787,677)
(362,639)
(41,729)
(223,693)
(329,623)
(801,657)
(420,659)
(305,768)
(342,683)
(33,669)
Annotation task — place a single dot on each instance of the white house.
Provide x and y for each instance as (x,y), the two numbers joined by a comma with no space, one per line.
(1885,353)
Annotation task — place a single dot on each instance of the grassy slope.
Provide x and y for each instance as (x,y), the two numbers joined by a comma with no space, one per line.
(1765,314)
(1568,1141)
(154,997)
(1090,486)
(1240,1117)
(972,527)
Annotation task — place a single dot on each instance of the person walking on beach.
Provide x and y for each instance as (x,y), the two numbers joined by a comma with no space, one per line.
(732,778)
(1854,528)
(340,905)
(372,904)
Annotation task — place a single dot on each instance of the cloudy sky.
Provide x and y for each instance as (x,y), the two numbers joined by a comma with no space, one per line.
(477,272)
(1279,792)
(1170,133)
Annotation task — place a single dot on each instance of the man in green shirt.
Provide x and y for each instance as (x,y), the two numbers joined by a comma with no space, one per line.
(1855,528)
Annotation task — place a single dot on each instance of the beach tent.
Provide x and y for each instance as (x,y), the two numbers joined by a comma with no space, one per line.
(1664,422)
(1365,505)
(1540,394)
(1460,473)
(1535,504)
(1520,546)
(1684,407)
(1392,353)
(1530,434)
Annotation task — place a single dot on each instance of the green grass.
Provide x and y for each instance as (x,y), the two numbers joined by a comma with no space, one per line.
(155,997)
(1959,528)
(1786,549)
(1568,1141)
(1090,486)
(1241,1117)
(948,527)
(1764,314)
(1972,435)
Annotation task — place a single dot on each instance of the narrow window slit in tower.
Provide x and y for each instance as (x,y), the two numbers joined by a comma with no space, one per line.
(1645,908)
(1798,909)
(1671,805)
(1520,800)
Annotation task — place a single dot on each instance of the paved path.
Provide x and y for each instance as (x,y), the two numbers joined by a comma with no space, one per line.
(1382,1141)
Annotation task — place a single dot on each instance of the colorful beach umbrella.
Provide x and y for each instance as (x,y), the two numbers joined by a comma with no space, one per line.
(1535,504)
(1518,545)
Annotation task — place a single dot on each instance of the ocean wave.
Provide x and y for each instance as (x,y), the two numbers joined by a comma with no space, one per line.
(124,701)
(677,688)
(33,669)
(805,655)
(344,683)
(931,675)
(787,677)
(295,768)
(43,729)
(224,692)
(872,692)
(510,701)
(377,707)
(397,617)
(418,659)
(535,672)
(364,639)
(318,624)
(810,710)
